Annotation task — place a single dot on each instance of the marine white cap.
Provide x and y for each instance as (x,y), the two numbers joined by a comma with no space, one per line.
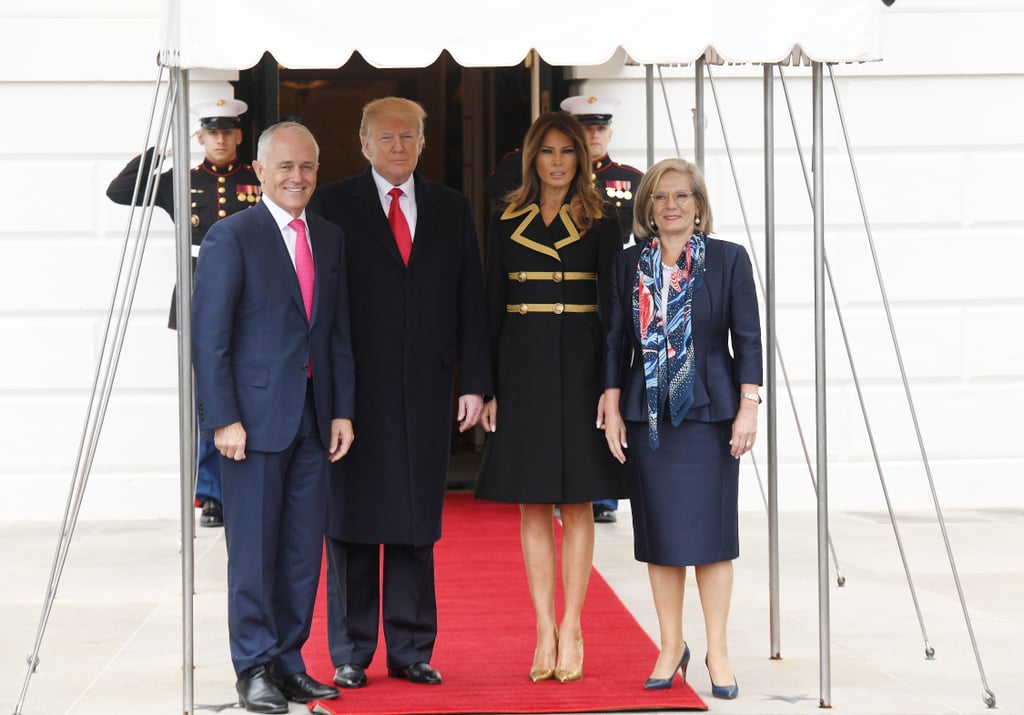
(219,113)
(590,109)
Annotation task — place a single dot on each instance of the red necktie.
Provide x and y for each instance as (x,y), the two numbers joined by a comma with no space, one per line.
(304,271)
(399,226)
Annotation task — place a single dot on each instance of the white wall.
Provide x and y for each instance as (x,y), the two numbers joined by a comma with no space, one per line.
(77,84)
(936,129)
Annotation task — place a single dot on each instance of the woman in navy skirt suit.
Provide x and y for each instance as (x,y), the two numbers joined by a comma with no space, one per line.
(680,408)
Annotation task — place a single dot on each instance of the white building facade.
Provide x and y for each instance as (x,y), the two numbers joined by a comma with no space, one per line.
(936,129)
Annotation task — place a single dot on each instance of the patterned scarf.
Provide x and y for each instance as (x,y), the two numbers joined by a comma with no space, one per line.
(668,363)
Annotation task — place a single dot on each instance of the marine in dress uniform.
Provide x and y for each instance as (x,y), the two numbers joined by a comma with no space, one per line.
(220,186)
(616,182)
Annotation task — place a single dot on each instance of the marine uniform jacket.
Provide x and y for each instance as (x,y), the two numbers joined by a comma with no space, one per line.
(618,183)
(216,192)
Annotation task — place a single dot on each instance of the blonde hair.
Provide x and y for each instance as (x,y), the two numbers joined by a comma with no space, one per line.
(586,205)
(392,108)
(643,212)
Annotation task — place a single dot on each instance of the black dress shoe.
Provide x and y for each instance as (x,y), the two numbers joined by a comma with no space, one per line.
(212,514)
(350,675)
(604,515)
(257,692)
(420,673)
(300,688)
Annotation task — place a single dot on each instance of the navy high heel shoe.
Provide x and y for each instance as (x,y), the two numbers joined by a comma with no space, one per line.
(723,692)
(665,683)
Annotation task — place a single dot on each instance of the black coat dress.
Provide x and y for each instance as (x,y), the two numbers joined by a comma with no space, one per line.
(544,286)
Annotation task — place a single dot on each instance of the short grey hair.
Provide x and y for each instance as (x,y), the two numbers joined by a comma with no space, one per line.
(263,146)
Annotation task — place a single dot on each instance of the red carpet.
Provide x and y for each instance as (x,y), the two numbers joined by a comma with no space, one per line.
(486,637)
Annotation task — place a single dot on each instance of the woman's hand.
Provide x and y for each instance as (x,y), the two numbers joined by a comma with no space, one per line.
(609,418)
(489,416)
(744,427)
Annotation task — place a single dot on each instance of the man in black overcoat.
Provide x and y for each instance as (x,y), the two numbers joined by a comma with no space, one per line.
(417,316)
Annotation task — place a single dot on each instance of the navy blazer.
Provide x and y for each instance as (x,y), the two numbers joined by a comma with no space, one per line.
(724,309)
(251,340)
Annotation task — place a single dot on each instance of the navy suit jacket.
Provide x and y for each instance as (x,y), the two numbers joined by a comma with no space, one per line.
(724,309)
(251,341)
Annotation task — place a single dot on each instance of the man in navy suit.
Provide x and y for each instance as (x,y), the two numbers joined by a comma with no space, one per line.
(276,381)
(416,295)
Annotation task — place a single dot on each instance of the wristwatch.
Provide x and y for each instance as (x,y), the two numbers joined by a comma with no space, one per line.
(752,396)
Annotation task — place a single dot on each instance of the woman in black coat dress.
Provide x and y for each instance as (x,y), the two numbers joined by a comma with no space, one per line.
(682,369)
(549,254)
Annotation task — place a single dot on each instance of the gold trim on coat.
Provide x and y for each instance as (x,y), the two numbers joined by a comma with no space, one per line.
(556,276)
(556,308)
(532,211)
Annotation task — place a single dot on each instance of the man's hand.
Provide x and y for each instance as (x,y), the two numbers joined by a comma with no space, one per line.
(470,407)
(342,438)
(230,441)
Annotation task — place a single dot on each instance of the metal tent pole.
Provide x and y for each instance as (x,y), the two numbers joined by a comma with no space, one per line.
(668,112)
(774,619)
(698,113)
(818,170)
(649,101)
(777,351)
(186,430)
(114,331)
(988,697)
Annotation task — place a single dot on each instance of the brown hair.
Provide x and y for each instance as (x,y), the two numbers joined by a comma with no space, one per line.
(643,213)
(586,205)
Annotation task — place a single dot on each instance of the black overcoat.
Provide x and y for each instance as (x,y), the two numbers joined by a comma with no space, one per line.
(412,326)
(547,359)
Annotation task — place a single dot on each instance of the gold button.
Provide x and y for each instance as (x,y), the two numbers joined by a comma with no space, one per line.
(221,179)
(222,213)
(521,277)
(559,309)
(222,200)
(524,309)
(556,276)
(221,189)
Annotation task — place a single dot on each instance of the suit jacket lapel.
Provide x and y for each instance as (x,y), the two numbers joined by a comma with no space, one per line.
(425,217)
(369,209)
(272,244)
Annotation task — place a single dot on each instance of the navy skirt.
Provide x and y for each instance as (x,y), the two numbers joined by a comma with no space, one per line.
(683,494)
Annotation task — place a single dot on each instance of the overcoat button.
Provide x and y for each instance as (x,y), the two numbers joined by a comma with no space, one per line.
(559,308)
(556,276)
(524,309)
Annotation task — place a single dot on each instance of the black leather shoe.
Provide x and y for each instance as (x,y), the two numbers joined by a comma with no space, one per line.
(257,692)
(213,513)
(604,515)
(420,673)
(350,675)
(300,688)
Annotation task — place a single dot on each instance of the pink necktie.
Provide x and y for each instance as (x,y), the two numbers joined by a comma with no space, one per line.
(399,226)
(304,271)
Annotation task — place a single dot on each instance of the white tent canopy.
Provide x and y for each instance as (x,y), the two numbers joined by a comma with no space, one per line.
(477,33)
(324,34)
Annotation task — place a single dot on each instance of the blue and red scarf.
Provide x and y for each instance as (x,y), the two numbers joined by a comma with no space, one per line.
(664,332)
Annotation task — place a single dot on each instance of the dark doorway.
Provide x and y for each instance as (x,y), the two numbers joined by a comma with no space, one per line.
(474,117)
